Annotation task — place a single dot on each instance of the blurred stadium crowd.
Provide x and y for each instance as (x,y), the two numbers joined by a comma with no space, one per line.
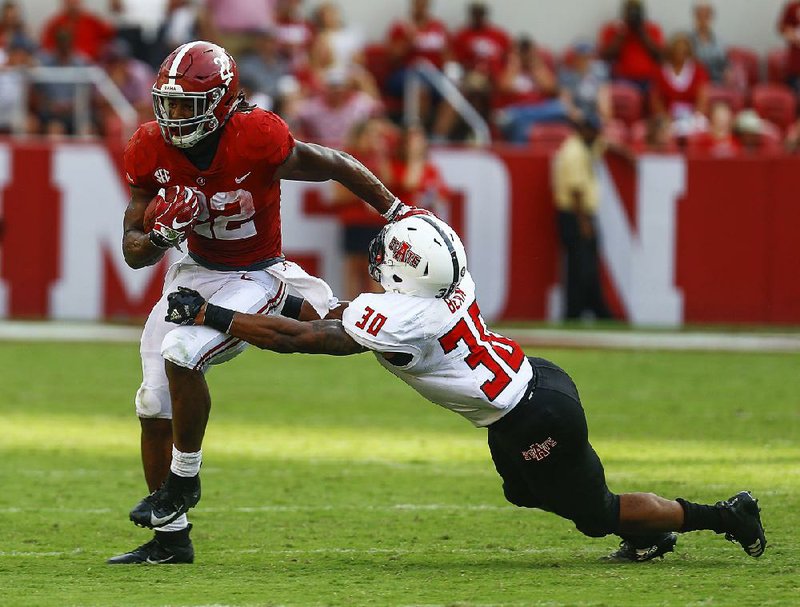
(688,91)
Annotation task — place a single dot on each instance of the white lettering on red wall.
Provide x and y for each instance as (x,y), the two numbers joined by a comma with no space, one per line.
(641,257)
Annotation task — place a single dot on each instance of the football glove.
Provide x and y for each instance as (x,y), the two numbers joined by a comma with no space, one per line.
(399,210)
(177,209)
(183,306)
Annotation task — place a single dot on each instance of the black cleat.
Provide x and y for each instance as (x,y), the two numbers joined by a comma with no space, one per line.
(629,552)
(166,548)
(168,502)
(740,515)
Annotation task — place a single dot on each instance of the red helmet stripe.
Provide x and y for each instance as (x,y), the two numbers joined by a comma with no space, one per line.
(173,69)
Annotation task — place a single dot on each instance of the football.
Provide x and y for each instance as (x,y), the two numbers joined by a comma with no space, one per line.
(154,208)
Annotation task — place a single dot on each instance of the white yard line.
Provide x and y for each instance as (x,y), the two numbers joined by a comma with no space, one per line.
(27,331)
(57,331)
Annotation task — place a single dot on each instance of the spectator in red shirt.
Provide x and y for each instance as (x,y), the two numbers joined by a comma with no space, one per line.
(415,179)
(481,46)
(89,34)
(370,142)
(480,49)
(420,37)
(526,93)
(789,28)
(681,88)
(633,45)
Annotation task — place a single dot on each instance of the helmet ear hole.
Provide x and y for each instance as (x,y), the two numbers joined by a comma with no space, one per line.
(396,278)
(425,272)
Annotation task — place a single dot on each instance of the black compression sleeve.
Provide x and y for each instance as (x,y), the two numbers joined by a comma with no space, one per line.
(218,318)
(291,309)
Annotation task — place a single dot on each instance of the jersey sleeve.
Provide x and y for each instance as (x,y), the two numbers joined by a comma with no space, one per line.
(270,139)
(381,323)
(138,160)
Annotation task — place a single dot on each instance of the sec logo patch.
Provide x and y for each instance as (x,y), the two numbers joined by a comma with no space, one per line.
(161,175)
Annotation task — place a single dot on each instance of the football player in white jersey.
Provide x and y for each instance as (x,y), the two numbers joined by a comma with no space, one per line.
(427,330)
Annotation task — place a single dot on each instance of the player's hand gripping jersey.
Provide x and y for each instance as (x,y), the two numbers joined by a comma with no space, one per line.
(456,362)
(239,225)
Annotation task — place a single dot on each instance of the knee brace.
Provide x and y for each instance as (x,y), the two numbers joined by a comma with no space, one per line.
(153,402)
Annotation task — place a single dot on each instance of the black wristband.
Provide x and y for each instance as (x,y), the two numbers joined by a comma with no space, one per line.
(218,318)
(292,307)
(158,240)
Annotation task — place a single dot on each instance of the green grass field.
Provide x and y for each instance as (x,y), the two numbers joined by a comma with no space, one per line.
(329,482)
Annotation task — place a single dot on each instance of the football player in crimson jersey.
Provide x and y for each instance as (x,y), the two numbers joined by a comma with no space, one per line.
(427,330)
(214,164)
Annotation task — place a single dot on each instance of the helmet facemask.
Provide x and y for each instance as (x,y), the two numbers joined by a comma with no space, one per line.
(377,255)
(186,132)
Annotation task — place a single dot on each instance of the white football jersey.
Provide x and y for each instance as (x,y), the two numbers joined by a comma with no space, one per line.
(456,362)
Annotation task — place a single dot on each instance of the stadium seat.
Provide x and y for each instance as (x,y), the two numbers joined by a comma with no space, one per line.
(725,94)
(548,137)
(776,66)
(626,102)
(776,103)
(749,60)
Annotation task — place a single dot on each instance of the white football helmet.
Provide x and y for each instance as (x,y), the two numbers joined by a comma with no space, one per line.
(419,255)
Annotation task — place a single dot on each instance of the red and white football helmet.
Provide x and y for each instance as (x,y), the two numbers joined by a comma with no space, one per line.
(203,74)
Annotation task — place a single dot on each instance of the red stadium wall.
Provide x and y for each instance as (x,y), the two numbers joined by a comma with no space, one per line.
(695,240)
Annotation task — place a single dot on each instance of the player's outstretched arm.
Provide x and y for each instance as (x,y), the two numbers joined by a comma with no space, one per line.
(312,162)
(287,335)
(276,333)
(137,248)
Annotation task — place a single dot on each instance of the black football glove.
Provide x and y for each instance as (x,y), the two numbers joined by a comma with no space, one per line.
(183,306)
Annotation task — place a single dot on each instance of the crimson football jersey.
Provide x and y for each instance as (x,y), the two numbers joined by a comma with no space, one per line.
(240,224)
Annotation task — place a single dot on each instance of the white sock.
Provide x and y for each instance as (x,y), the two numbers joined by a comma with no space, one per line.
(179,524)
(186,464)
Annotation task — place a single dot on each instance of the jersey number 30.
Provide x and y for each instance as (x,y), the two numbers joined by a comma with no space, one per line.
(483,347)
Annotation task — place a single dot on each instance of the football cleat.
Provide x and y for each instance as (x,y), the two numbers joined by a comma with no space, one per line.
(168,502)
(741,516)
(163,549)
(628,552)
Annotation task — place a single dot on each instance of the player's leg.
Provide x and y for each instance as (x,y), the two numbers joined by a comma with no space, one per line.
(170,544)
(188,351)
(156,448)
(545,439)
(570,480)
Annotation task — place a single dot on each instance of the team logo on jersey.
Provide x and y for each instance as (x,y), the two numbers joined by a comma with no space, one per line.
(538,451)
(401,251)
(201,181)
(162,176)
(225,71)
